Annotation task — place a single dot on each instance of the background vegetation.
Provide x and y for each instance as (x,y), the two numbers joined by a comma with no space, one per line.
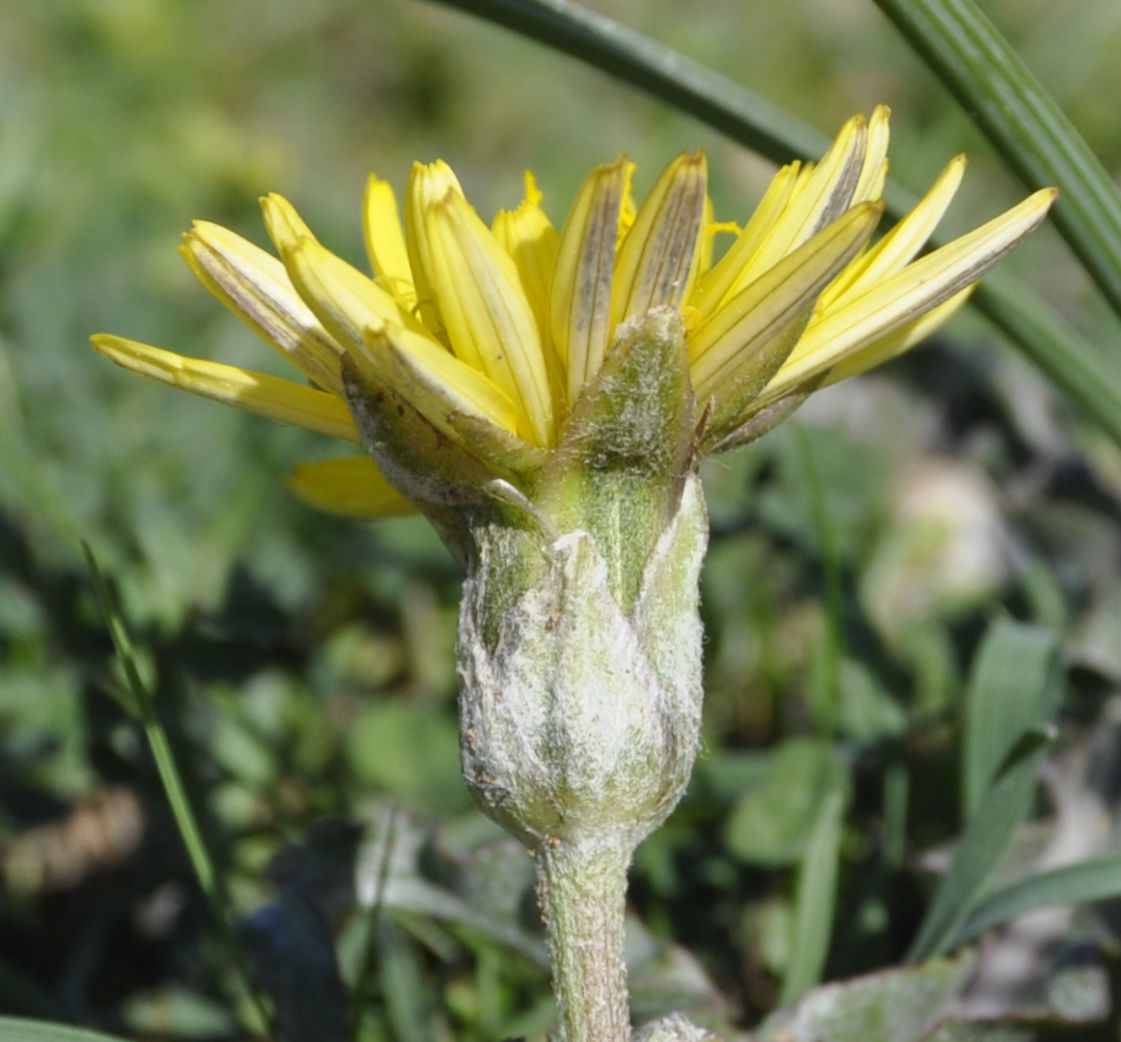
(302,665)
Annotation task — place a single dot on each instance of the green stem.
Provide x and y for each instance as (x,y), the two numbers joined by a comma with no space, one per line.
(1030,132)
(582,890)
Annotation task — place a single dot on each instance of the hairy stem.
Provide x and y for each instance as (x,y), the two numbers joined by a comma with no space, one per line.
(582,889)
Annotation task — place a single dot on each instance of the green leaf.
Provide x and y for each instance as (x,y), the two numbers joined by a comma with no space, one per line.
(1024,123)
(985,840)
(1011,697)
(773,822)
(1011,690)
(1031,326)
(1096,880)
(815,901)
(898,1005)
(16,1029)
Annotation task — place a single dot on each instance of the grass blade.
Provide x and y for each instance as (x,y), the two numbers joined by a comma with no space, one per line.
(815,901)
(1096,880)
(143,706)
(1066,359)
(1024,123)
(1010,692)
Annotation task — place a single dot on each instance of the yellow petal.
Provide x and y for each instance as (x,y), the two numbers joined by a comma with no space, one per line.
(254,285)
(658,259)
(345,300)
(530,239)
(435,383)
(759,312)
(352,486)
(903,339)
(282,222)
(870,186)
(896,249)
(488,319)
(385,241)
(429,183)
(627,208)
(580,299)
(728,275)
(819,197)
(255,392)
(920,287)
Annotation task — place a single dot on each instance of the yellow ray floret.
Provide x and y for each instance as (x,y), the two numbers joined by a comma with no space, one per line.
(254,285)
(491,334)
(264,395)
(489,322)
(658,259)
(352,486)
(580,304)
(385,241)
(918,288)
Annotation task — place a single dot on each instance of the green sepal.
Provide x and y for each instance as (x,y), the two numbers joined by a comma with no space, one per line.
(755,425)
(456,490)
(626,448)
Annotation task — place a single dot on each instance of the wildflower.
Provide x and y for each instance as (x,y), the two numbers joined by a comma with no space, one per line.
(542,394)
(492,336)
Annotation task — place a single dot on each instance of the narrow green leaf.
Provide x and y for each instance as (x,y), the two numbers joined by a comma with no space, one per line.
(1096,880)
(1010,691)
(143,705)
(815,901)
(1011,698)
(1031,326)
(985,840)
(17,1029)
(1024,123)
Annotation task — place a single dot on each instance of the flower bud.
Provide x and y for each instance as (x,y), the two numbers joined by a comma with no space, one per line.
(580,642)
(577,716)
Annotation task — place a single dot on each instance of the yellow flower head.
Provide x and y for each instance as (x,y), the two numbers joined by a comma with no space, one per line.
(492,335)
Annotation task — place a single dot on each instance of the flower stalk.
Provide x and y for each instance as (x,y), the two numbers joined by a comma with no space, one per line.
(581,890)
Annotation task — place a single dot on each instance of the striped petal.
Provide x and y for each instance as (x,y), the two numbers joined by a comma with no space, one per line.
(873,174)
(580,300)
(255,392)
(352,486)
(435,383)
(730,272)
(488,319)
(918,288)
(344,300)
(659,257)
(903,339)
(429,183)
(254,286)
(821,194)
(896,249)
(730,338)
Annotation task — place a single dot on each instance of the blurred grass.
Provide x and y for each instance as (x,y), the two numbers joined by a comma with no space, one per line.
(305,664)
